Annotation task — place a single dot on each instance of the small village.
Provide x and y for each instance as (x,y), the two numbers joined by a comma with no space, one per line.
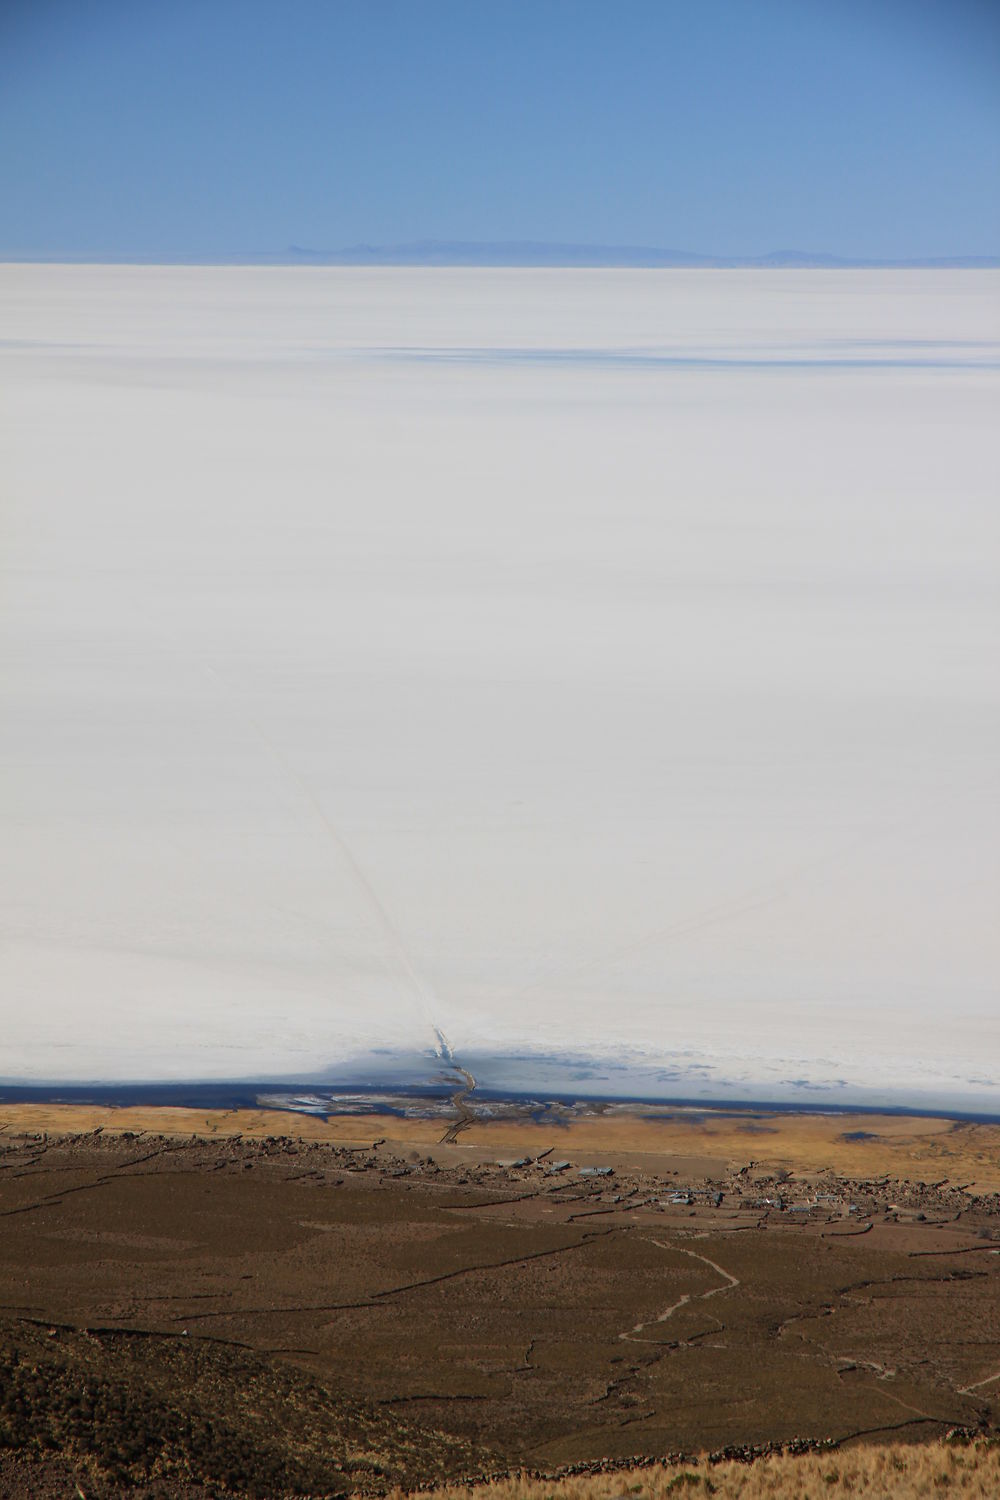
(752,1195)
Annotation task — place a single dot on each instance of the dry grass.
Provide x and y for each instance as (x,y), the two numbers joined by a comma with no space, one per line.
(902,1146)
(896,1470)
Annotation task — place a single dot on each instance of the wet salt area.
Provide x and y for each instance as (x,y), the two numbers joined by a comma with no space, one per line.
(436,1102)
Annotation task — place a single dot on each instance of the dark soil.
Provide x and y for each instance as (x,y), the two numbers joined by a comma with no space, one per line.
(267,1319)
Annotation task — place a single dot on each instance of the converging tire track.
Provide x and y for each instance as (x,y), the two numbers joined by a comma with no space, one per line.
(466,1115)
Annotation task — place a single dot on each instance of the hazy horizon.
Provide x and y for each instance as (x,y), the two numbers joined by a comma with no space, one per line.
(527,254)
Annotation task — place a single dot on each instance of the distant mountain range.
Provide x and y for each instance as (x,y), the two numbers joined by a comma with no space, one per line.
(526,253)
(538,253)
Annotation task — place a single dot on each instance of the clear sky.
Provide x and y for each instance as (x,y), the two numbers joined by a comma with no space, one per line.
(858,127)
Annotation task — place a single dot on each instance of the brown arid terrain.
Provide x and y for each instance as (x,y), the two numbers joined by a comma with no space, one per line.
(268,1304)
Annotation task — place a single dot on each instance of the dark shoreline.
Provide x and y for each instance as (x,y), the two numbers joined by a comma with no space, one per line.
(283,1095)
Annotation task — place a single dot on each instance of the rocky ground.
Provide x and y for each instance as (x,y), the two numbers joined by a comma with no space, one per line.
(187,1316)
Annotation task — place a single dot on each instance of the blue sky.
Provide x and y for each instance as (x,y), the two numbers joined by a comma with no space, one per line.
(859,127)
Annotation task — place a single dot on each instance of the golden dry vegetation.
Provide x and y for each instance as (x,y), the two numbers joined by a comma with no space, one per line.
(900,1471)
(857,1146)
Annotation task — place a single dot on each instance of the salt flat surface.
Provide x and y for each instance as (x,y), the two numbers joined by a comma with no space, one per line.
(596,668)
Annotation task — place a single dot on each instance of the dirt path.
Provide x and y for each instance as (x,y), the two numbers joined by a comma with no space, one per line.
(967,1390)
(466,1116)
(730,1281)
